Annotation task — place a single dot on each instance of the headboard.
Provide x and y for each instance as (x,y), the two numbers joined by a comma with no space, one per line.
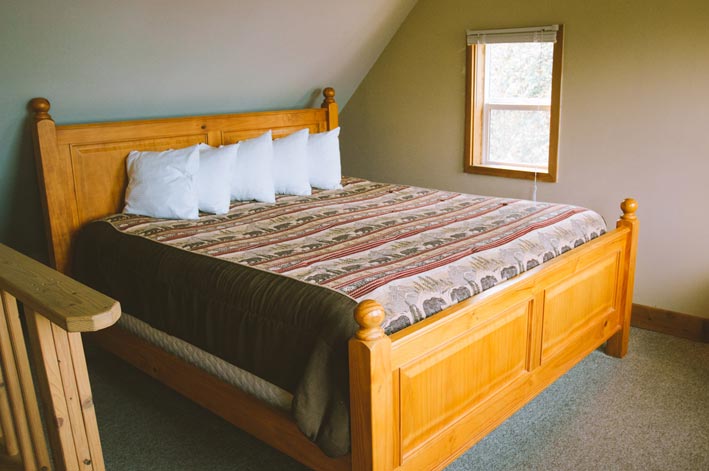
(81,167)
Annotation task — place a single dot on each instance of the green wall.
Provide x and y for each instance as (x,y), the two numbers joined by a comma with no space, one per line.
(113,60)
(634,121)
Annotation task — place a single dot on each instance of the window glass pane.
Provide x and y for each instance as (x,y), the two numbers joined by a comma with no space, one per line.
(518,70)
(519,137)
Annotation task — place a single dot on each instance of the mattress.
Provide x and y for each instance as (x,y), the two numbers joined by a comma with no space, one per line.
(231,374)
(271,288)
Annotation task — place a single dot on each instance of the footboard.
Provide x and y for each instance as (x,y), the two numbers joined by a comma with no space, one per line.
(424,395)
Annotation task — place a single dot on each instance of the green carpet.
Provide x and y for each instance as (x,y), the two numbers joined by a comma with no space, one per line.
(648,411)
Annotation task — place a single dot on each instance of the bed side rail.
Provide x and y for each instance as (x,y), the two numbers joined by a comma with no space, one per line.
(56,310)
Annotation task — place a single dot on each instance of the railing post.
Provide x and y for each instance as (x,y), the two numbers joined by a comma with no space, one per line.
(57,309)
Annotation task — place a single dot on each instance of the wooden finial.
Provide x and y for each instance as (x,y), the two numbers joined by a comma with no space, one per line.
(329,94)
(40,106)
(369,315)
(629,206)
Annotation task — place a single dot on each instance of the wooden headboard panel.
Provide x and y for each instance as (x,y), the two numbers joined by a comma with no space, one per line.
(81,167)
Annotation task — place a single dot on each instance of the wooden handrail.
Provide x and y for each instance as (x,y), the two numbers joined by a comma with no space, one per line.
(64,301)
(56,310)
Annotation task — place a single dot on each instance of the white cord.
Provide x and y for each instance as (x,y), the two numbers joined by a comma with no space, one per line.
(534,188)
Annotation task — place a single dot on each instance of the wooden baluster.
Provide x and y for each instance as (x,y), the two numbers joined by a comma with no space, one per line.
(371,410)
(85,400)
(52,392)
(617,345)
(26,383)
(14,393)
(64,385)
(71,395)
(8,429)
(331,105)
(59,362)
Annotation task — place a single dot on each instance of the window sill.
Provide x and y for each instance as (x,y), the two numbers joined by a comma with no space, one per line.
(510,171)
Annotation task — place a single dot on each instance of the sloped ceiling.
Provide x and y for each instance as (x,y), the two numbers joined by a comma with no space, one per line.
(108,60)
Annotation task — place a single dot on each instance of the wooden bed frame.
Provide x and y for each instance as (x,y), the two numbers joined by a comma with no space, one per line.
(420,397)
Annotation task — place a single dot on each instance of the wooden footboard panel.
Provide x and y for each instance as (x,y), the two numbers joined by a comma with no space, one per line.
(461,373)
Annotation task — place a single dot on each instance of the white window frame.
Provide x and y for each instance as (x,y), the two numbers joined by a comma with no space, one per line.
(532,105)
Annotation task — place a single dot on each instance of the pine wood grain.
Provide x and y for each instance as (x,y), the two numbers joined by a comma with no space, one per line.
(59,365)
(81,168)
(14,394)
(85,401)
(466,369)
(31,407)
(371,397)
(50,387)
(66,394)
(617,346)
(66,302)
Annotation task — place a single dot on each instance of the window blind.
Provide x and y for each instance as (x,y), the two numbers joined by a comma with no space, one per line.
(537,34)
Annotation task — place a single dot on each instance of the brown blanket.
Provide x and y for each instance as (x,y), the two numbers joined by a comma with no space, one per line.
(291,333)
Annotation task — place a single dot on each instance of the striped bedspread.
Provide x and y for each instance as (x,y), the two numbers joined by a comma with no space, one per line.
(415,250)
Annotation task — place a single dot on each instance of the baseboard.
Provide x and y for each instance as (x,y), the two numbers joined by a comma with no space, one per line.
(672,323)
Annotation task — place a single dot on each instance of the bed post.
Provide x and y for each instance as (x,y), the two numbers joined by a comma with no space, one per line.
(371,407)
(331,106)
(617,345)
(56,191)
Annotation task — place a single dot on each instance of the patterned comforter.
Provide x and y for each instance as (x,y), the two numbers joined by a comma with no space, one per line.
(415,250)
(284,311)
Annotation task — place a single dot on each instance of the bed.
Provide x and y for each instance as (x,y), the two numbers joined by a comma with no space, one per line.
(492,352)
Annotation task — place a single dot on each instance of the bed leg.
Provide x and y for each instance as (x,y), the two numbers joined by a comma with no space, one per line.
(371,400)
(617,345)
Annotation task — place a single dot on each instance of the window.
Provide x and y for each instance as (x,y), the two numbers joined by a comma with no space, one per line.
(512,103)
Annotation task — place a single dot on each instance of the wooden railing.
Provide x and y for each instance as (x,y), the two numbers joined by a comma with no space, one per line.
(56,310)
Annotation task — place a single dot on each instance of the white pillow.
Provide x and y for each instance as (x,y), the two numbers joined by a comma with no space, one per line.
(216,165)
(252,177)
(324,160)
(163,184)
(290,164)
